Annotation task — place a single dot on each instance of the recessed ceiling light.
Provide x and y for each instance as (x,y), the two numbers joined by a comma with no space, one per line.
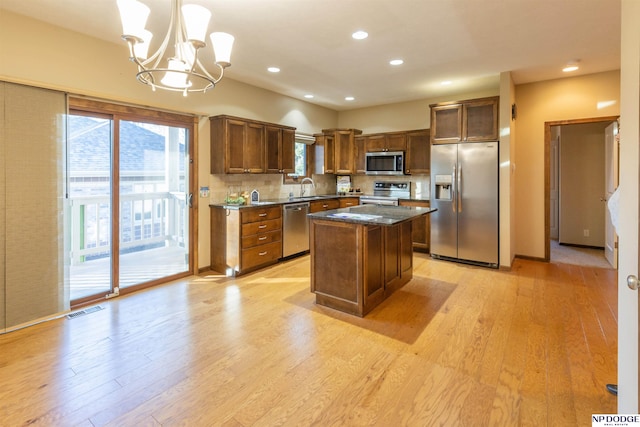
(569,68)
(360,35)
(308,96)
(396,62)
(349,98)
(445,83)
(273,69)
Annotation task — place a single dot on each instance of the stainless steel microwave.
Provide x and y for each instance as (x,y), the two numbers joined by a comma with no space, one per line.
(385,163)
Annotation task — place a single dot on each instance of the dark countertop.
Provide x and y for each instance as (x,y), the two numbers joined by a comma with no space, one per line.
(288,200)
(372,214)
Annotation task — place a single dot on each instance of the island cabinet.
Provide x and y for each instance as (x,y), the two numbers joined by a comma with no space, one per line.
(245,239)
(474,120)
(421,234)
(280,149)
(354,267)
(418,158)
(392,141)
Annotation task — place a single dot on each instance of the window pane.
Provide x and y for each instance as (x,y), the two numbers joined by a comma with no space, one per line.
(301,159)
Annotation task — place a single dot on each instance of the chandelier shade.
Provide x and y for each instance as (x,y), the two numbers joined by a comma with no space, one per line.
(180,70)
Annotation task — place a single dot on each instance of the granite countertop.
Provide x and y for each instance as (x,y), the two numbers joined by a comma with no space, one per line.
(372,214)
(287,200)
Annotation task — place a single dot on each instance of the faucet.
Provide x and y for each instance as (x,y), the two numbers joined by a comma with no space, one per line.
(302,185)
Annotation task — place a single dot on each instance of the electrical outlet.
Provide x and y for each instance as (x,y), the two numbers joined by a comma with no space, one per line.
(585,232)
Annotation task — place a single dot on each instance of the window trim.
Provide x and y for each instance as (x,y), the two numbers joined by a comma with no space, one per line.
(309,141)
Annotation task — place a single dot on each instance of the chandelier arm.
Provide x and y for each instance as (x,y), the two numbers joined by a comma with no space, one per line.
(215,80)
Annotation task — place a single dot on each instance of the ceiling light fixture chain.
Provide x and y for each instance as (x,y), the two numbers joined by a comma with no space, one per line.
(187,28)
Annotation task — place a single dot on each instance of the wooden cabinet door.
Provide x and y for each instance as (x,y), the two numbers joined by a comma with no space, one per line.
(360,151)
(254,148)
(273,148)
(288,160)
(329,154)
(375,143)
(446,124)
(418,158)
(235,146)
(396,142)
(421,227)
(344,152)
(480,120)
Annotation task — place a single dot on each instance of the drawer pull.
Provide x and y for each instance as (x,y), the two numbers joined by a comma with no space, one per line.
(263,253)
(262,238)
(263,214)
(262,226)
(324,206)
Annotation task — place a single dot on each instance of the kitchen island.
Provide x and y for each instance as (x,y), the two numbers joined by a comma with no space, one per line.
(361,255)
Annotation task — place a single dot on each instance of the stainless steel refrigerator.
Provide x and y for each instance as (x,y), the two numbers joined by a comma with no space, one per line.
(464,189)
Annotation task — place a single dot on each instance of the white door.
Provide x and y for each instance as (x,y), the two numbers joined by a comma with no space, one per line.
(554,230)
(610,185)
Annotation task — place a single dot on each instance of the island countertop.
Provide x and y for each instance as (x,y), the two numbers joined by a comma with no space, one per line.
(373,214)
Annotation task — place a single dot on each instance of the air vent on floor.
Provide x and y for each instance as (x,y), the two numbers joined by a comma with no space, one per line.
(85,311)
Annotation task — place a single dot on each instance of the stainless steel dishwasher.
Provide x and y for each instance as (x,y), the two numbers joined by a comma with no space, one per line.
(295,229)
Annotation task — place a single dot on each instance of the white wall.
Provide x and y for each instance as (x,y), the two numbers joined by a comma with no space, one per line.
(629,176)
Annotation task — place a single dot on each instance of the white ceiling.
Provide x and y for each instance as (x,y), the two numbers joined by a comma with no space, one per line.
(469,42)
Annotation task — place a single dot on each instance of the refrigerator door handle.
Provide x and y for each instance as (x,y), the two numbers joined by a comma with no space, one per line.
(459,188)
(454,190)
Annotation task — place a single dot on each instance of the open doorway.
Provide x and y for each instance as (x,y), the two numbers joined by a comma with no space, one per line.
(580,174)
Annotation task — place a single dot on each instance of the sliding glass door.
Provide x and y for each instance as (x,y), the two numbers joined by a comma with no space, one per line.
(129,193)
(154,238)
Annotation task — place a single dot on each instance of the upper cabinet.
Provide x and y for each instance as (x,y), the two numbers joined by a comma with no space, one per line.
(335,151)
(418,159)
(474,120)
(280,146)
(394,141)
(249,146)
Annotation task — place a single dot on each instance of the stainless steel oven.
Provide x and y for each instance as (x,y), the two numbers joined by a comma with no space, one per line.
(387,193)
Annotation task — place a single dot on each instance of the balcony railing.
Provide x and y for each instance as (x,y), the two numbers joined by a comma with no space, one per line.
(146,220)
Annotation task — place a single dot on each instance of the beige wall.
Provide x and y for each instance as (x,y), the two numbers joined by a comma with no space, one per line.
(507,162)
(400,116)
(537,103)
(582,184)
(56,58)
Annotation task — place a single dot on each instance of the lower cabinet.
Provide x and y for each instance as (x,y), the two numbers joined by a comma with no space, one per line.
(323,205)
(347,202)
(245,239)
(354,267)
(421,234)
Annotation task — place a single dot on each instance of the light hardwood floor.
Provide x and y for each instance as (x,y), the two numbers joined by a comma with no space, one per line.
(458,345)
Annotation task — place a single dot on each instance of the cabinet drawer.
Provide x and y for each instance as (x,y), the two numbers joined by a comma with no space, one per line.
(261,227)
(323,205)
(348,202)
(262,254)
(261,239)
(261,214)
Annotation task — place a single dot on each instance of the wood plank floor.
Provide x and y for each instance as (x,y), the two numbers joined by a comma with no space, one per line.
(458,345)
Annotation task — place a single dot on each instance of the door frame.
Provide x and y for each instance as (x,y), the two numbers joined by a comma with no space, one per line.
(117,111)
(547,172)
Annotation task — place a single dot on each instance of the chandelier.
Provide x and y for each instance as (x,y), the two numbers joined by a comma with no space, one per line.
(183,71)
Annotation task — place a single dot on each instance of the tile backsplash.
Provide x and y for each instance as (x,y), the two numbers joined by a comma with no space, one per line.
(270,186)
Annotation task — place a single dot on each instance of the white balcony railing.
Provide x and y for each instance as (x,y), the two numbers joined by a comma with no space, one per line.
(146,220)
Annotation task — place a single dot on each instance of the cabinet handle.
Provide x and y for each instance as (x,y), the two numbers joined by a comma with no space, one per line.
(262,238)
(263,253)
(263,214)
(324,206)
(262,226)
